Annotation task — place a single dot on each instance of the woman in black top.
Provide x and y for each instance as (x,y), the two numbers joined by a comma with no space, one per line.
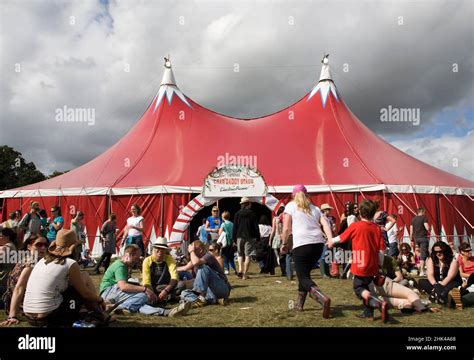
(443,273)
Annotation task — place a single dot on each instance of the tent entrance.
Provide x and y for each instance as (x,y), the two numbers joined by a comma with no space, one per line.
(226,204)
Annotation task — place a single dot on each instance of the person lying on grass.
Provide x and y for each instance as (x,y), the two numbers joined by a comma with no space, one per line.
(389,286)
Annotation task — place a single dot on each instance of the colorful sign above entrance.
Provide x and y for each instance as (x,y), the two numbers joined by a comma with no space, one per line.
(234,181)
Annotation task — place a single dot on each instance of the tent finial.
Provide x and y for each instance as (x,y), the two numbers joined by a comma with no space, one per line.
(325,59)
(168,62)
(168,87)
(325,84)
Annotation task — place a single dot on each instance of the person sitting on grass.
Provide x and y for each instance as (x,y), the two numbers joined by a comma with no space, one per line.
(210,284)
(8,244)
(406,259)
(443,274)
(57,289)
(215,250)
(115,287)
(463,296)
(367,244)
(87,260)
(417,258)
(392,287)
(18,278)
(159,272)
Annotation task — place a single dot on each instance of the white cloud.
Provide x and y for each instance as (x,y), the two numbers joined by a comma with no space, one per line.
(449,153)
(83,65)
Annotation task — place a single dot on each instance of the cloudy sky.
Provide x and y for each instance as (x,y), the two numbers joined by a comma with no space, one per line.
(108,55)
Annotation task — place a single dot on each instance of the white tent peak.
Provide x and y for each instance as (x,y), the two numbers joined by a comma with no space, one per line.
(168,87)
(325,86)
(325,70)
(168,76)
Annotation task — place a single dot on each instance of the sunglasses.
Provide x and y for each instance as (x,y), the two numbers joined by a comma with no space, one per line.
(467,250)
(41,244)
(211,249)
(438,251)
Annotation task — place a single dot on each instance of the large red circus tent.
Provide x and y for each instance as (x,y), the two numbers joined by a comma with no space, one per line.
(163,161)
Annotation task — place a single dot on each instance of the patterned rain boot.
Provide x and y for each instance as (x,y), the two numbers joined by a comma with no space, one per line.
(301,300)
(317,295)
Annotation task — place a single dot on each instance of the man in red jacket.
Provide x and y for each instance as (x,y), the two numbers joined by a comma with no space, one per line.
(367,245)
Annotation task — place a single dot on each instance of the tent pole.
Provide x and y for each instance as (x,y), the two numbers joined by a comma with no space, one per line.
(162,212)
(438,217)
(384,200)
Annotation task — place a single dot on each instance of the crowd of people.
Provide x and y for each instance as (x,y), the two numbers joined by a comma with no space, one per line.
(300,237)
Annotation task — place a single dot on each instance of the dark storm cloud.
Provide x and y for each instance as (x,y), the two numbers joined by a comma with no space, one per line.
(278,49)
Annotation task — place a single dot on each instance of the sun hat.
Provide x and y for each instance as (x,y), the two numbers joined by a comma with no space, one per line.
(326,207)
(65,243)
(161,243)
(244,200)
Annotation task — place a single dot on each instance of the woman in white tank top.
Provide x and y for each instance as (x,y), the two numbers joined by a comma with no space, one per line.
(56,283)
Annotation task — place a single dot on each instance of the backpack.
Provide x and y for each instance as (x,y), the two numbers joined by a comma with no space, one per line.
(228,234)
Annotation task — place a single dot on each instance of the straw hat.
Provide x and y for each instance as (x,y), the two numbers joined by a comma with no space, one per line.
(65,243)
(244,200)
(161,243)
(326,207)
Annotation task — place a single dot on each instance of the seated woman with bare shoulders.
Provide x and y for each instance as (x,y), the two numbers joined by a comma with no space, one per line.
(56,282)
(36,248)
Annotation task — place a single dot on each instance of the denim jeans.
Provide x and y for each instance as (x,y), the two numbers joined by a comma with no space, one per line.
(136,302)
(323,265)
(228,255)
(207,282)
(138,240)
(393,249)
(184,275)
(289,267)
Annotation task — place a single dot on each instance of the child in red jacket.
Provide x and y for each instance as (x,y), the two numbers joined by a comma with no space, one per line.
(367,244)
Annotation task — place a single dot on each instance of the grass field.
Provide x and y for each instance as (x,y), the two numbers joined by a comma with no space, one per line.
(264,300)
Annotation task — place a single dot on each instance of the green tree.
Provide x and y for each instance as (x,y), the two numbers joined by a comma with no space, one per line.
(56,173)
(15,171)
